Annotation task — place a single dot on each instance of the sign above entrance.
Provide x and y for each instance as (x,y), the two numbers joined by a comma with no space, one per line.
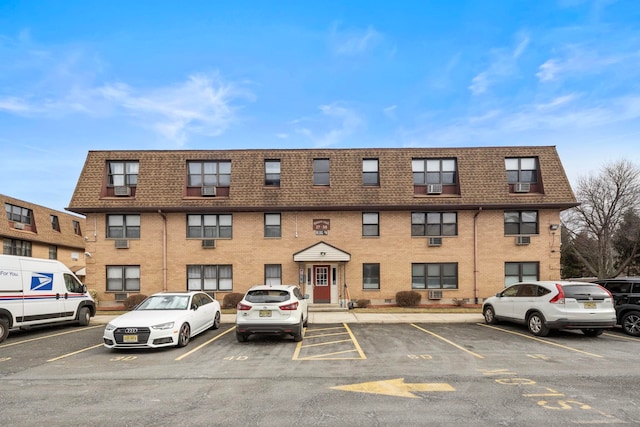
(321,226)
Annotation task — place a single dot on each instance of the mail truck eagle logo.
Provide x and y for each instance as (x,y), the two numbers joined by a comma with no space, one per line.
(42,282)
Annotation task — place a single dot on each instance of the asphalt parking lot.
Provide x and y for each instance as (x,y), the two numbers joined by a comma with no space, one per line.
(367,374)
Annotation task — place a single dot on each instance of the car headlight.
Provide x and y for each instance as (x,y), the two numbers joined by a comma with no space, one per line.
(167,325)
(109,327)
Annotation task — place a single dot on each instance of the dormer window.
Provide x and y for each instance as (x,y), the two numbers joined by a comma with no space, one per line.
(522,174)
(122,178)
(208,178)
(434,176)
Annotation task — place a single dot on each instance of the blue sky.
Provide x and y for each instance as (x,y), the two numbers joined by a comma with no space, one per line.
(111,75)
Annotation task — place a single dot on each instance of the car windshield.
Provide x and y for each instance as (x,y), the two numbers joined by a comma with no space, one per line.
(165,302)
(267,295)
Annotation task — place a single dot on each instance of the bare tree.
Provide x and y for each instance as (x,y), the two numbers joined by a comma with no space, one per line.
(604,201)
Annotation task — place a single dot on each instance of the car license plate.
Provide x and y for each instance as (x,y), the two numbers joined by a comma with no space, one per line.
(130,338)
(589,305)
(265,313)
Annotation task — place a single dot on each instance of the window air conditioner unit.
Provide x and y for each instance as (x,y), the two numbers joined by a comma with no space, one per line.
(435,294)
(122,190)
(208,243)
(522,187)
(523,240)
(121,296)
(18,225)
(121,244)
(208,191)
(435,241)
(434,189)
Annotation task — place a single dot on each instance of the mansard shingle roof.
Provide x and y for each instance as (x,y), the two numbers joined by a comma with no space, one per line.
(162,180)
(44,231)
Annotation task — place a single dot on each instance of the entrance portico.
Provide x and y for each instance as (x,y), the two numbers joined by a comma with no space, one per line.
(322,273)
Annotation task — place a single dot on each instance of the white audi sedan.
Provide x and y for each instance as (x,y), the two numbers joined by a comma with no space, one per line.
(162,320)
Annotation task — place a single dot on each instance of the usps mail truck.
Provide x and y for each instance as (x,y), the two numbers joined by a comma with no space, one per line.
(37,291)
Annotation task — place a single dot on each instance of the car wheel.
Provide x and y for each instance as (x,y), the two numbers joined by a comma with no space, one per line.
(184,335)
(631,323)
(241,337)
(216,321)
(536,325)
(490,315)
(297,336)
(84,316)
(306,320)
(593,332)
(4,329)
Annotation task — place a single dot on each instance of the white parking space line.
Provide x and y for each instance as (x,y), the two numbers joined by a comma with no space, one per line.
(479,356)
(540,340)
(51,336)
(205,343)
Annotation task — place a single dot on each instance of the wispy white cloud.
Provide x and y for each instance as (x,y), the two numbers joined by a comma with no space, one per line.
(203,104)
(560,114)
(68,80)
(353,42)
(586,60)
(332,127)
(503,64)
(390,111)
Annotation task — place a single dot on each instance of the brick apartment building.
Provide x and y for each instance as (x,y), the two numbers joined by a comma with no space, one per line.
(39,232)
(344,224)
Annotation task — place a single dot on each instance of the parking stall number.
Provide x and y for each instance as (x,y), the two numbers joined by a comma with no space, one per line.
(123,358)
(545,397)
(238,358)
(420,357)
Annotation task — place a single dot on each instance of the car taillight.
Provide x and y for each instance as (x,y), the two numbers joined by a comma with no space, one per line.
(292,306)
(242,306)
(607,291)
(559,298)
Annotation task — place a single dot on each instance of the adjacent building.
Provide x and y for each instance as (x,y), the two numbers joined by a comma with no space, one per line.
(39,232)
(453,224)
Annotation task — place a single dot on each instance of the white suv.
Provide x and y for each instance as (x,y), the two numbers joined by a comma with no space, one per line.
(279,309)
(543,306)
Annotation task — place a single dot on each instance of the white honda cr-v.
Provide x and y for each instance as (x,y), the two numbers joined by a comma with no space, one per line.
(546,305)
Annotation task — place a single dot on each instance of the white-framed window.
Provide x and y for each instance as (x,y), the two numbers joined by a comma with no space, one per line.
(123,173)
(273,274)
(521,169)
(371,276)
(321,172)
(123,226)
(209,277)
(434,275)
(123,278)
(209,226)
(520,222)
(272,225)
(434,224)
(272,173)
(370,173)
(370,224)
(515,272)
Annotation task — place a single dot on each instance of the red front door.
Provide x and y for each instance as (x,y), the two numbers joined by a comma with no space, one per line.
(321,281)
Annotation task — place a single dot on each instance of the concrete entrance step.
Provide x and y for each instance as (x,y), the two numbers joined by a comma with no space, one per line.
(326,307)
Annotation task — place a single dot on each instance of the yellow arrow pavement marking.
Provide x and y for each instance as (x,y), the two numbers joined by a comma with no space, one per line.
(396,387)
